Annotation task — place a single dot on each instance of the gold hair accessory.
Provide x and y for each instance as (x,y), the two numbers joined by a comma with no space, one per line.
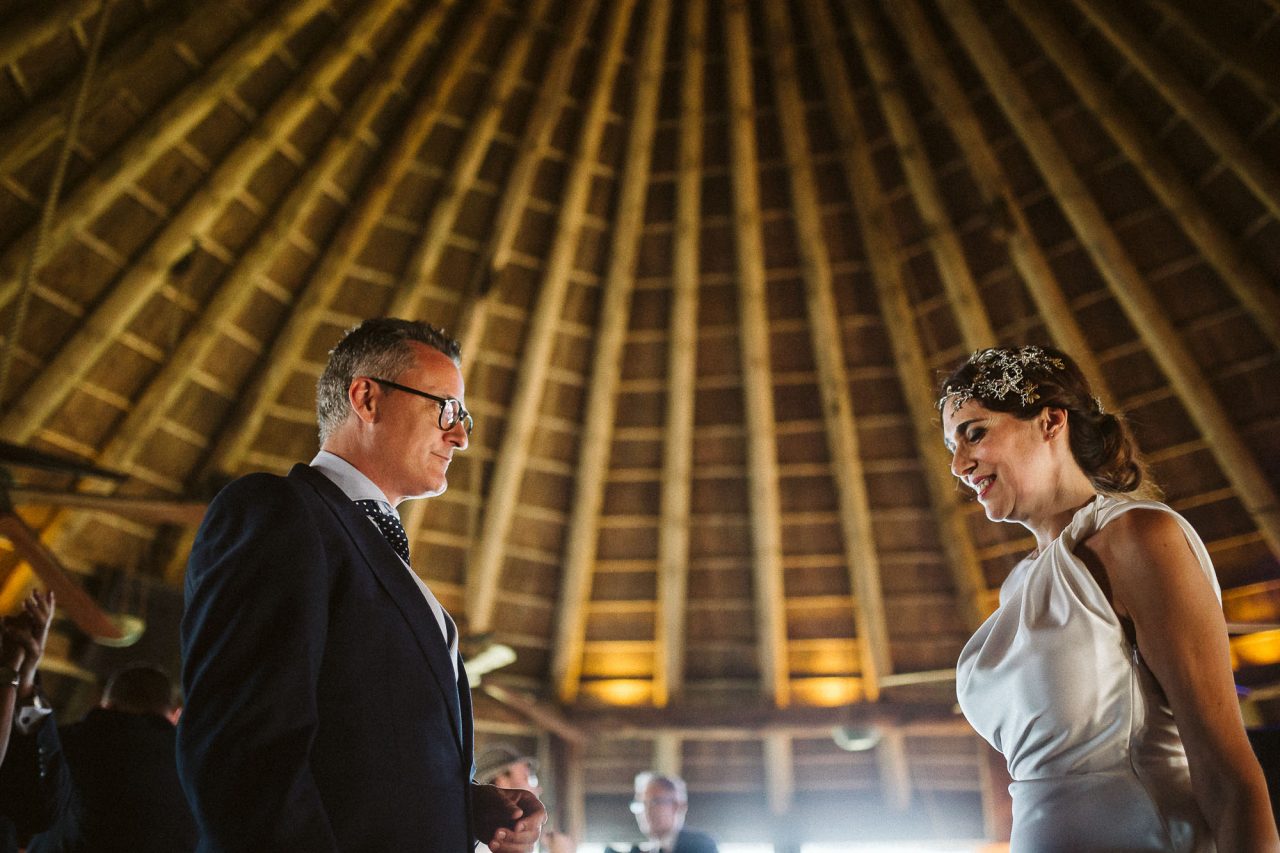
(999,373)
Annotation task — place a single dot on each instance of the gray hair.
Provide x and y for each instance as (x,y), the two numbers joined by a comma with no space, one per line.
(377,347)
(674,784)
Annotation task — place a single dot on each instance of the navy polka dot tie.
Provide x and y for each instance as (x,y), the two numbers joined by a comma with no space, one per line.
(390,526)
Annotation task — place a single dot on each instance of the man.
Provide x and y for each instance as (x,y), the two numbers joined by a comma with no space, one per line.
(660,807)
(35,784)
(126,793)
(327,708)
(504,766)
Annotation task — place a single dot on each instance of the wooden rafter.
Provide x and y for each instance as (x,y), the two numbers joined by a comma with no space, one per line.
(779,773)
(43,124)
(738,722)
(1126,283)
(197,220)
(682,356)
(908,352)
(606,372)
(668,753)
(833,379)
(1255,291)
(312,304)
(96,192)
(1257,68)
(948,253)
(473,310)
(757,379)
(1166,78)
(1028,257)
(39,26)
(165,389)
(423,266)
(485,566)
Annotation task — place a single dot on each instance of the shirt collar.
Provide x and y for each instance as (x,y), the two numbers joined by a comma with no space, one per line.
(347,477)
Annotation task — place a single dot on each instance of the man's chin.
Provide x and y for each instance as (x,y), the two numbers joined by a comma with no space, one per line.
(430,492)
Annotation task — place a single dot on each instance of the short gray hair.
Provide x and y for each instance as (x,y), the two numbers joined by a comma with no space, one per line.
(672,783)
(377,347)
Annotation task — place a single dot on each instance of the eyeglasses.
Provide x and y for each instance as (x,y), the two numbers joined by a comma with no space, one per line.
(451,411)
(638,806)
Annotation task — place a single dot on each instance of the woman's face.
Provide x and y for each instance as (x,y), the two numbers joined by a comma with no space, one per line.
(1005,461)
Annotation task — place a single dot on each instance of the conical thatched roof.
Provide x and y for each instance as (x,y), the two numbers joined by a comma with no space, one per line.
(706,259)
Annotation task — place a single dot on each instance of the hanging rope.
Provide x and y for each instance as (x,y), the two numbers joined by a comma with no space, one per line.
(19,318)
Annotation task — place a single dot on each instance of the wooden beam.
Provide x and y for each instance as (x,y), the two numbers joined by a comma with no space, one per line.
(833,380)
(423,267)
(899,321)
(1028,258)
(537,138)
(473,310)
(948,253)
(757,381)
(1255,291)
(1258,174)
(779,773)
(1127,285)
(197,220)
(312,303)
(44,123)
(1204,25)
(163,391)
(682,357)
(607,361)
(997,803)
(752,722)
(895,771)
(32,28)
(166,128)
(545,717)
(668,753)
(572,777)
(484,569)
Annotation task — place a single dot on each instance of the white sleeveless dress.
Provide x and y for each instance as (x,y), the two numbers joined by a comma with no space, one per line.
(1053,683)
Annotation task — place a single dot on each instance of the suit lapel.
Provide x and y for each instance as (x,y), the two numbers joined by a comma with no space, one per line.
(394,578)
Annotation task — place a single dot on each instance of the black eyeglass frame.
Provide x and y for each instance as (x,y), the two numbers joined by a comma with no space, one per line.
(464,417)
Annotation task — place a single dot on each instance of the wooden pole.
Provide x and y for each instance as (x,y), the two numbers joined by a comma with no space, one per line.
(1258,174)
(833,380)
(1204,24)
(1141,307)
(485,566)
(757,381)
(899,321)
(682,356)
(1250,286)
(606,372)
(194,223)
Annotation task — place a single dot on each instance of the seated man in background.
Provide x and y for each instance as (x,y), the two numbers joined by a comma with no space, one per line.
(660,806)
(127,796)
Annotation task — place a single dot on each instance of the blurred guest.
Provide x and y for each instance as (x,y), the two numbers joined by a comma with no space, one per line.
(504,766)
(127,796)
(35,787)
(660,806)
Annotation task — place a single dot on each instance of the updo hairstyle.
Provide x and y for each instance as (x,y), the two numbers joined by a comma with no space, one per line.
(1023,381)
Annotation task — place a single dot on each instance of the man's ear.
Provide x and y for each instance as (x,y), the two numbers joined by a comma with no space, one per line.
(363,397)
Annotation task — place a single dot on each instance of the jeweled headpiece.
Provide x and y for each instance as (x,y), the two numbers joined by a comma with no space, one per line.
(999,373)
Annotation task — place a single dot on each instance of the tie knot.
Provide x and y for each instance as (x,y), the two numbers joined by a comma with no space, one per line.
(388,524)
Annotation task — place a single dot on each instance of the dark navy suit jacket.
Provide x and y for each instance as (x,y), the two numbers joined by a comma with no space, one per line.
(322,712)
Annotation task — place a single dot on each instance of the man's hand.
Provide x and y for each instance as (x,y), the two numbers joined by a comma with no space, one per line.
(508,820)
(35,618)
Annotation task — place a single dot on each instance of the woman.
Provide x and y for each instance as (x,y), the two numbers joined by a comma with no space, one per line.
(1103,677)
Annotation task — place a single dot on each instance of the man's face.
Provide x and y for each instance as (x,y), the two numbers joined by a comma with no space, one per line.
(660,812)
(519,775)
(412,452)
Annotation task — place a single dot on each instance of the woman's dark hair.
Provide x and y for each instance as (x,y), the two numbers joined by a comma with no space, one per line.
(1025,380)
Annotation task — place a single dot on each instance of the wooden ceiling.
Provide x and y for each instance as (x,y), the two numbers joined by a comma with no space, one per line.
(706,259)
